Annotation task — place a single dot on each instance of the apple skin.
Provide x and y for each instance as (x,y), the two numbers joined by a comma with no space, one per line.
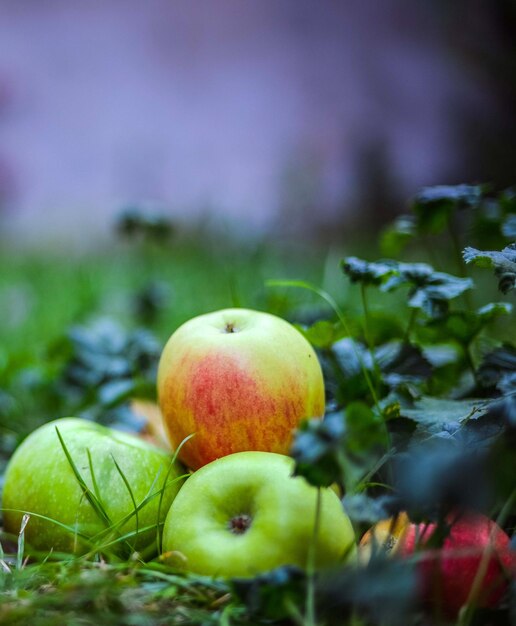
(446,576)
(240,380)
(383,537)
(39,479)
(254,493)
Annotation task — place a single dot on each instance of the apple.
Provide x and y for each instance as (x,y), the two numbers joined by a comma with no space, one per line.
(240,380)
(245,514)
(40,480)
(447,575)
(383,537)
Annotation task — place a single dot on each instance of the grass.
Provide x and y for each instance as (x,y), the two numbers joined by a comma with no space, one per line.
(44,292)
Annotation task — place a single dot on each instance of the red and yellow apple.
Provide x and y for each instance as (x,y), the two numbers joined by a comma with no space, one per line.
(240,380)
(476,552)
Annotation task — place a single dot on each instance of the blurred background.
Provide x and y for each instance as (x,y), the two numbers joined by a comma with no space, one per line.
(160,159)
(284,119)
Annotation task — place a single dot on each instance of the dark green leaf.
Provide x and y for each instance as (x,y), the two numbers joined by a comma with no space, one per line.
(464,326)
(429,291)
(342,448)
(436,413)
(440,475)
(316,450)
(433,206)
(401,362)
(272,595)
(106,364)
(365,272)
(384,592)
(496,365)
(503,263)
(363,509)
(343,371)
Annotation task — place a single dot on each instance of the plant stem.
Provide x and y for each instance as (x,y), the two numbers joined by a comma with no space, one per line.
(457,251)
(367,334)
(410,327)
(469,359)
(310,618)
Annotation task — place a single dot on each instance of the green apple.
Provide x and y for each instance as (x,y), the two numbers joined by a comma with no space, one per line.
(121,473)
(245,514)
(240,380)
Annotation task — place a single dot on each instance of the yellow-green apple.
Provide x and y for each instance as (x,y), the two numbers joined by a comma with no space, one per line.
(240,380)
(475,547)
(121,472)
(245,513)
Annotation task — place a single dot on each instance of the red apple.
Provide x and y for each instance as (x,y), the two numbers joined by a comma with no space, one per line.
(240,380)
(447,575)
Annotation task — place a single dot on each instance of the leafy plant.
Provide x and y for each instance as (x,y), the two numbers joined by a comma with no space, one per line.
(419,361)
(503,263)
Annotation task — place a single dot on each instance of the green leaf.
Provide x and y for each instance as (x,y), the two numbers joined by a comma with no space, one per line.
(360,271)
(316,450)
(464,326)
(401,362)
(429,290)
(496,365)
(343,448)
(322,334)
(106,365)
(433,206)
(274,595)
(435,413)
(503,263)
(364,509)
(493,310)
(342,366)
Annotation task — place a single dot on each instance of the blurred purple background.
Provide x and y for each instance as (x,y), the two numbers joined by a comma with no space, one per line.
(291,115)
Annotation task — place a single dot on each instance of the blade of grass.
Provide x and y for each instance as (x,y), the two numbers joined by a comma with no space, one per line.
(90,496)
(21,541)
(172,462)
(128,516)
(131,494)
(93,477)
(3,564)
(71,529)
